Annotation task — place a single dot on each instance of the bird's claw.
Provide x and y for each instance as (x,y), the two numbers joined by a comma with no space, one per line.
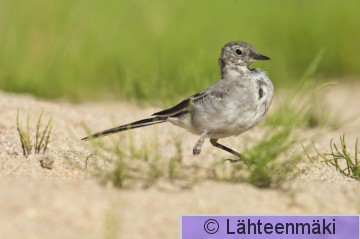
(232,160)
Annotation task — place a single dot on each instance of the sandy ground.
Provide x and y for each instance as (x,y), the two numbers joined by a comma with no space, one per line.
(68,202)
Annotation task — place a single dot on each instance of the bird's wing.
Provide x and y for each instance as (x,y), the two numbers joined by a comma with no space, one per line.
(215,92)
(181,108)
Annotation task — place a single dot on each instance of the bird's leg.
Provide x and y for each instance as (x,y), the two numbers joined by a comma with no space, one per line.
(199,143)
(220,146)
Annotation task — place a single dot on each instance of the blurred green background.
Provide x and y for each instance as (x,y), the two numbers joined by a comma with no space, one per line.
(165,49)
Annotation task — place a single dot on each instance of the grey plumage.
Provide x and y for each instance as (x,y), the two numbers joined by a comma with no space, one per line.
(231,106)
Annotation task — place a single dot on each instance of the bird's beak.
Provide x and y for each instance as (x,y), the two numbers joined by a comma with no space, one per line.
(261,57)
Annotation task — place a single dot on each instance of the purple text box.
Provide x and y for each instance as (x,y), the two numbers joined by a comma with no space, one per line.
(270,227)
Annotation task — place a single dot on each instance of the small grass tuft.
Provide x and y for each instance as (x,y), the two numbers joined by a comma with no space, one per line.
(264,168)
(24,135)
(340,157)
(42,137)
(176,160)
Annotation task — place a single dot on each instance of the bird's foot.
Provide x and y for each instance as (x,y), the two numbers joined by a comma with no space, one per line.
(241,158)
(233,160)
(196,151)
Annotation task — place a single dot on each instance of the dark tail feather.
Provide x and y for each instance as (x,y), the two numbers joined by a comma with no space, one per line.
(137,124)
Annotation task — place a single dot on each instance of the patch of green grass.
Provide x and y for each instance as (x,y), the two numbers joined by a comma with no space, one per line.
(142,165)
(266,164)
(340,157)
(176,160)
(92,48)
(304,105)
(42,137)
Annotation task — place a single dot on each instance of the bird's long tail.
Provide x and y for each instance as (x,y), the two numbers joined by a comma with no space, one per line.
(133,125)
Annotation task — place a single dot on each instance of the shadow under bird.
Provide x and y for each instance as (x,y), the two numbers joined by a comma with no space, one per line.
(229,107)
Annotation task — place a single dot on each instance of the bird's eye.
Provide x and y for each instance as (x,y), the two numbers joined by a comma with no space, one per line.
(238,52)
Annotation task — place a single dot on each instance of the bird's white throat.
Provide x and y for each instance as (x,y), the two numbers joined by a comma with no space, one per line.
(234,71)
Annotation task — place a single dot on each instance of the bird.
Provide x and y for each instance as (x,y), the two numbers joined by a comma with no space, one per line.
(229,107)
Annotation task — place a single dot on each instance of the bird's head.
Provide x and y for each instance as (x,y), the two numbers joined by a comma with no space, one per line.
(239,53)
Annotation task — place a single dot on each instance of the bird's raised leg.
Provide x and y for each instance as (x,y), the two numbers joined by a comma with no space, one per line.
(199,143)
